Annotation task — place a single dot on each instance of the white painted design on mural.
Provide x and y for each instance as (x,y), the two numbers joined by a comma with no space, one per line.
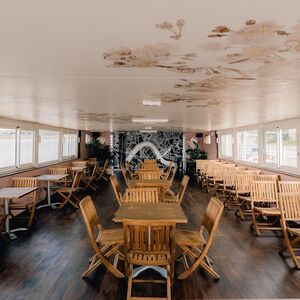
(150,145)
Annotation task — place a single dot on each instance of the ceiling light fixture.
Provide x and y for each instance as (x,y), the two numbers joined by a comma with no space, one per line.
(149,121)
(148,131)
(152,102)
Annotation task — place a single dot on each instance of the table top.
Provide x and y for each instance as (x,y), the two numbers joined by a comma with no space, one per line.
(51,177)
(15,192)
(150,211)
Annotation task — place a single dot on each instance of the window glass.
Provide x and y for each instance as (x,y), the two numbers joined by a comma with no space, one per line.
(7,147)
(288,147)
(48,146)
(69,144)
(226,145)
(270,146)
(26,146)
(247,146)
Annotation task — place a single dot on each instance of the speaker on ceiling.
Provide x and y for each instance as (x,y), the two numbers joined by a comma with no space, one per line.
(199,135)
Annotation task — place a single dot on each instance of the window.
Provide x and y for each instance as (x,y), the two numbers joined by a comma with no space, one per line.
(87,138)
(8,147)
(247,146)
(69,145)
(48,146)
(288,147)
(226,145)
(26,147)
(270,146)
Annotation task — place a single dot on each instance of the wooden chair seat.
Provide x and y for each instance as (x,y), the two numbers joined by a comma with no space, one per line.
(295,231)
(110,236)
(270,211)
(21,204)
(155,258)
(189,238)
(66,190)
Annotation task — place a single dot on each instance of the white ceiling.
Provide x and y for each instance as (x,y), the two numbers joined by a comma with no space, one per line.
(87,64)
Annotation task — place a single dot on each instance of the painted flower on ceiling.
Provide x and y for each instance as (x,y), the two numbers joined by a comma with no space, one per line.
(176,31)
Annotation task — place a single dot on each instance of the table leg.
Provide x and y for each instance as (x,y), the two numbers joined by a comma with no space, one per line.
(12,236)
(49,204)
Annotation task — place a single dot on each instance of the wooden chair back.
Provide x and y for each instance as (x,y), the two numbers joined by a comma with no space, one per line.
(254,173)
(142,195)
(168,171)
(150,167)
(268,178)
(289,186)
(183,185)
(76,181)
(243,183)
(22,182)
(228,179)
(172,175)
(149,175)
(93,159)
(58,171)
(125,175)
(150,161)
(264,191)
(148,236)
(116,187)
(80,164)
(289,206)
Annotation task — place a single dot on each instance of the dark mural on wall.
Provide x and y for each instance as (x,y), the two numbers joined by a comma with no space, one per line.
(135,146)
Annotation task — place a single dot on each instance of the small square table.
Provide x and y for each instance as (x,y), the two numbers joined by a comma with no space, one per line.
(8,194)
(50,178)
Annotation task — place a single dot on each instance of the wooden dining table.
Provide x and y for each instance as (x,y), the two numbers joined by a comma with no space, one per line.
(8,194)
(160,212)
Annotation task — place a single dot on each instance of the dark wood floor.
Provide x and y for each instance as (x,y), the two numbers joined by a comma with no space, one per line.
(48,262)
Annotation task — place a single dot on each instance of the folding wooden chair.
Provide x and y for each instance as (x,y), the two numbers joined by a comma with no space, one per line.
(289,186)
(101,171)
(28,202)
(89,180)
(166,174)
(265,206)
(69,193)
(132,174)
(105,242)
(59,171)
(268,178)
(125,175)
(150,167)
(179,197)
(149,175)
(290,215)
(141,195)
(149,244)
(150,161)
(80,163)
(116,187)
(171,180)
(193,243)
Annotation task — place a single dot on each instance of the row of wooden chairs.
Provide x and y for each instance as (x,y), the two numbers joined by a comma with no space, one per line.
(148,243)
(271,203)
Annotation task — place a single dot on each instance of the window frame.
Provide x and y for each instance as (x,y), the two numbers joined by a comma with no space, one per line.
(261,128)
(221,146)
(70,132)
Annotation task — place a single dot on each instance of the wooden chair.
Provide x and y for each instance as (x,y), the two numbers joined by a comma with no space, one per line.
(166,174)
(69,193)
(254,173)
(171,180)
(290,214)
(89,180)
(178,198)
(150,161)
(193,243)
(28,202)
(59,171)
(289,186)
(125,175)
(132,174)
(116,187)
(80,163)
(268,178)
(150,167)
(101,171)
(149,175)
(105,242)
(149,243)
(92,160)
(264,205)
(141,195)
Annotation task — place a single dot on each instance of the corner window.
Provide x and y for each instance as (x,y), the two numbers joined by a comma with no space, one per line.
(8,148)
(226,145)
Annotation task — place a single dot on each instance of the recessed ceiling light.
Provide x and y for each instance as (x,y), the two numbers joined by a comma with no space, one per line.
(149,121)
(147,131)
(152,102)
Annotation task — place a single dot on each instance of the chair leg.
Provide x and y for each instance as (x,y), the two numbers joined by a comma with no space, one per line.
(254,222)
(168,282)
(129,285)
(31,218)
(291,250)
